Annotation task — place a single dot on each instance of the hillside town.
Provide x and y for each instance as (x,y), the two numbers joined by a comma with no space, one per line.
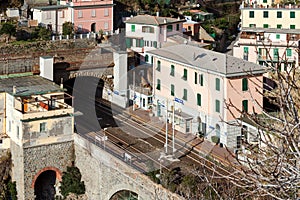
(104,99)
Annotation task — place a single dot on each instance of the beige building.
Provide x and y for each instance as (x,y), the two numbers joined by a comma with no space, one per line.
(197,83)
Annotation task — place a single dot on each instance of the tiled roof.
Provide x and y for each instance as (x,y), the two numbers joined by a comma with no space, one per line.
(204,59)
(153,20)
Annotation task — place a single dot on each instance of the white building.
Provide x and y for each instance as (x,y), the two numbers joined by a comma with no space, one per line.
(196,83)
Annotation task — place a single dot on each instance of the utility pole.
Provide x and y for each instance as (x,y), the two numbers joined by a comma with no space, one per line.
(173,127)
(166,144)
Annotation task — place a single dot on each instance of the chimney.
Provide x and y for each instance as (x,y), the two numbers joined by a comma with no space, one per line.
(157,14)
(14,89)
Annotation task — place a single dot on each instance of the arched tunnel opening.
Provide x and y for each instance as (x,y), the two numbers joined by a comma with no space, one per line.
(44,188)
(95,113)
(125,195)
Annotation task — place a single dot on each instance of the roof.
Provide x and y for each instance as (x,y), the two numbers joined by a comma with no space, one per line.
(28,85)
(52,7)
(203,35)
(204,59)
(271,30)
(182,39)
(153,20)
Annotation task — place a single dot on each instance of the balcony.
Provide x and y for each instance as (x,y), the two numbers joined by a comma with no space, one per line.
(43,106)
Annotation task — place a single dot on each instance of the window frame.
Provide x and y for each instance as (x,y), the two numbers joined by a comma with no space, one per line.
(43,127)
(292,15)
(158,67)
(172,90)
(217,106)
(218,83)
(199,99)
(132,28)
(265,14)
(185,94)
(158,84)
(251,14)
(245,105)
(185,74)
(279,14)
(245,84)
(172,73)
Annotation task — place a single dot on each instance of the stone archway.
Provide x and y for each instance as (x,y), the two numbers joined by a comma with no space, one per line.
(45,183)
(124,195)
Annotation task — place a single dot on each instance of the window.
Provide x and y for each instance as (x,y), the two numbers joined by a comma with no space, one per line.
(277,36)
(245,105)
(292,26)
(292,14)
(62,14)
(217,84)
(184,74)
(43,127)
(252,25)
(177,27)
(80,14)
(246,49)
(279,25)
(199,99)
(265,1)
(169,28)
(139,43)
(217,106)
(172,90)
(266,14)
(172,70)
(196,78)
(288,52)
(275,52)
(128,42)
(158,66)
(132,28)
(146,58)
(105,25)
(93,13)
(244,84)
(251,14)
(158,84)
(184,94)
(155,44)
(18,132)
(266,25)
(106,13)
(147,29)
(201,79)
(279,14)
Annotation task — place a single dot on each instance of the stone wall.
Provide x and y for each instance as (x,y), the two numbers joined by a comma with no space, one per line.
(37,158)
(104,175)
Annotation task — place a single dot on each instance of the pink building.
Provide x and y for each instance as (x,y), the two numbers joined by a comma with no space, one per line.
(86,15)
(92,15)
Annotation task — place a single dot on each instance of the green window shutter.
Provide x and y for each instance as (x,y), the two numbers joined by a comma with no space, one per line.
(217,106)
(158,84)
(141,43)
(128,42)
(252,25)
(266,25)
(217,84)
(146,58)
(201,79)
(169,28)
(279,25)
(244,84)
(184,74)
(246,49)
(277,36)
(266,14)
(155,44)
(184,94)
(172,90)
(251,14)
(292,14)
(292,27)
(275,53)
(279,14)
(158,66)
(265,1)
(196,77)
(132,28)
(289,52)
(172,70)
(137,43)
(245,105)
(199,99)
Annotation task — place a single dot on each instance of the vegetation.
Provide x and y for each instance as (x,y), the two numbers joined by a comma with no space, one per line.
(68,28)
(71,182)
(8,29)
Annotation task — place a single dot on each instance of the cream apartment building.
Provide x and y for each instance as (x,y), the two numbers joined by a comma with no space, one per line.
(197,83)
(146,32)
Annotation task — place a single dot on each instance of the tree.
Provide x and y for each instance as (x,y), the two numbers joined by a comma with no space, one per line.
(71,182)
(270,168)
(44,33)
(68,28)
(9,29)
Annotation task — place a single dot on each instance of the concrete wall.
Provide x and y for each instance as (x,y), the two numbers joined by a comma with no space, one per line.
(104,175)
